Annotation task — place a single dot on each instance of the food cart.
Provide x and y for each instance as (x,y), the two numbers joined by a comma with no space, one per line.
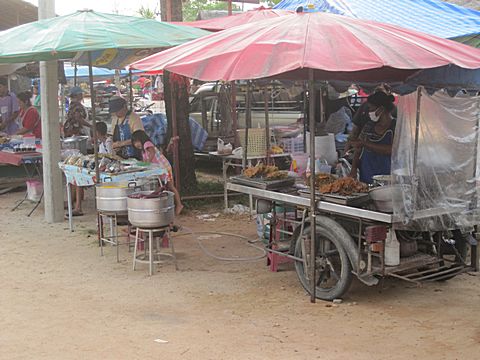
(304,47)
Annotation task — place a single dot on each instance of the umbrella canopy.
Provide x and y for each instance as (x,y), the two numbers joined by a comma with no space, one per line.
(336,47)
(64,37)
(227,22)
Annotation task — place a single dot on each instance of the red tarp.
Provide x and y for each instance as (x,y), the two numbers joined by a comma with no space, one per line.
(336,47)
(227,22)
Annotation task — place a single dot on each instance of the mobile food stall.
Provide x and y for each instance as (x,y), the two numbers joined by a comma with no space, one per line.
(354,237)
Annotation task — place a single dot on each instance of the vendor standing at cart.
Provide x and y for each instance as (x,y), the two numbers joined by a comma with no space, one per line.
(124,123)
(76,123)
(373,148)
(8,109)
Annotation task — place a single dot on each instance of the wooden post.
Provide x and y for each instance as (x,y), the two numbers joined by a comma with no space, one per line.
(131,88)
(267,123)
(229,7)
(169,10)
(176,164)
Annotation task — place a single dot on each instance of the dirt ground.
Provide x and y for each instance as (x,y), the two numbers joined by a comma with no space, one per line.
(60,300)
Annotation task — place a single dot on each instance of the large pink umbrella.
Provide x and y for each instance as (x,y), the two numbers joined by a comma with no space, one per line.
(227,22)
(312,46)
(334,46)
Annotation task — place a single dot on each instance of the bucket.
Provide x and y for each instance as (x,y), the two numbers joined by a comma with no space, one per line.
(34,190)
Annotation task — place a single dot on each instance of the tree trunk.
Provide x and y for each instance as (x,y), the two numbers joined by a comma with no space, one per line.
(186,161)
(177,14)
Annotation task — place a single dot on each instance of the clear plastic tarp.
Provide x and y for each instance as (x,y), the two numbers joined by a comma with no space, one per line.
(436,178)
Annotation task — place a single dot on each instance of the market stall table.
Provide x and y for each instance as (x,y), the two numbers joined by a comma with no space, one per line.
(83,177)
(24,159)
(239,162)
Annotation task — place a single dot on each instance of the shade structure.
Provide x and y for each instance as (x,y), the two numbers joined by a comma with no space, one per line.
(227,22)
(64,37)
(335,47)
(434,17)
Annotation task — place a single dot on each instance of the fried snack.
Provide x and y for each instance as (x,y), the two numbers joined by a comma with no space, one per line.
(277,175)
(322,179)
(344,186)
(260,170)
(4,140)
(253,171)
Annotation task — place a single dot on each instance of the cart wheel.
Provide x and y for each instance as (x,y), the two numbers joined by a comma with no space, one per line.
(332,266)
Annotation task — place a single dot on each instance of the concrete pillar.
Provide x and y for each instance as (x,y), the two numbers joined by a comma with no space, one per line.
(52,177)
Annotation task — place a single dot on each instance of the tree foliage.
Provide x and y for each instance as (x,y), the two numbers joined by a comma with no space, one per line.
(146,12)
(191,8)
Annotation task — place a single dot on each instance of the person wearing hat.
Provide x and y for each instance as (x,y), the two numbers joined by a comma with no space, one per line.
(9,109)
(124,123)
(373,148)
(77,115)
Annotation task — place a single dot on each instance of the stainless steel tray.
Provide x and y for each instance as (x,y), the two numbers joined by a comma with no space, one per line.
(260,183)
(351,200)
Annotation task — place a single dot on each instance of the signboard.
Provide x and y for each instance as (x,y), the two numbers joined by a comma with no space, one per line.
(244,1)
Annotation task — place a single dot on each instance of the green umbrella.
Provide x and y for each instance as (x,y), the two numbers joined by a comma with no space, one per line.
(104,40)
(114,39)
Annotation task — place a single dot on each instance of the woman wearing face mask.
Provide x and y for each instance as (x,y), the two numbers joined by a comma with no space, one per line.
(373,148)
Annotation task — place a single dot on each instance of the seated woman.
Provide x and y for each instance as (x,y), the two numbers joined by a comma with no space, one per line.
(373,148)
(29,116)
(151,154)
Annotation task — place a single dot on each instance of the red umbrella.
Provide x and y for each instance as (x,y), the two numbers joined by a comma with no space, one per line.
(227,22)
(336,47)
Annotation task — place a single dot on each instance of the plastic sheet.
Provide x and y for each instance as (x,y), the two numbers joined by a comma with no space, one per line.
(440,192)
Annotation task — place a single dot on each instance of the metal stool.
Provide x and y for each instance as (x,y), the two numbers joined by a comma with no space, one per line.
(114,238)
(164,231)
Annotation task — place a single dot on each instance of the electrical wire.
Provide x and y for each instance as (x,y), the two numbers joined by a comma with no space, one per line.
(221,258)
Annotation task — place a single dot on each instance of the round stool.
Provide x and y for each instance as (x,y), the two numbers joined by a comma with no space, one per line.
(148,258)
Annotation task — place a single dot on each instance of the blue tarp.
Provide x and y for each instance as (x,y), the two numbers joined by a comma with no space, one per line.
(156,128)
(82,71)
(434,17)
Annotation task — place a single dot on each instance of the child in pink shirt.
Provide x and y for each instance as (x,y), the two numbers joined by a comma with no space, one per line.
(151,154)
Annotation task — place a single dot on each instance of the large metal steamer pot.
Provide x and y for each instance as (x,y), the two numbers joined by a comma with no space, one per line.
(76,143)
(112,196)
(148,210)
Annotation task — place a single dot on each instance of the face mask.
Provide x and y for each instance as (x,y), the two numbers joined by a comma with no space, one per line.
(373,116)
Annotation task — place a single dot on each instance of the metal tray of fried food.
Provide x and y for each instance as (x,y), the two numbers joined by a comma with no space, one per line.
(356,199)
(261,183)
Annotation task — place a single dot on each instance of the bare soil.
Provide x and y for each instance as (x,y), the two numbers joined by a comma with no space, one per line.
(60,300)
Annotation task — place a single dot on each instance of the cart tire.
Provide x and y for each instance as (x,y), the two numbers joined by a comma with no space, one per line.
(342,285)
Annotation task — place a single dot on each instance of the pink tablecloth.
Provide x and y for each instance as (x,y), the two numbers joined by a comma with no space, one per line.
(18,158)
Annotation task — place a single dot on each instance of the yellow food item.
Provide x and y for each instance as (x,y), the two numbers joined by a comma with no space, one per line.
(276,150)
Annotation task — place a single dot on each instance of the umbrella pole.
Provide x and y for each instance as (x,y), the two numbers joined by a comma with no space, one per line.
(234,112)
(415,149)
(75,69)
(131,88)
(311,90)
(94,121)
(248,123)
(267,123)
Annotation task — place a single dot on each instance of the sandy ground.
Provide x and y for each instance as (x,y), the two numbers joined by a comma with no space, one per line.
(60,300)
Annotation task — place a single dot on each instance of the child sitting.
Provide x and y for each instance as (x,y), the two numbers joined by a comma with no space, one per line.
(151,154)
(105,142)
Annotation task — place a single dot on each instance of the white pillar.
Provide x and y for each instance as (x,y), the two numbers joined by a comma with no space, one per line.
(52,177)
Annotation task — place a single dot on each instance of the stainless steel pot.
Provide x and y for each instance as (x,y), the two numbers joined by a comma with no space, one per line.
(151,212)
(112,197)
(384,196)
(76,142)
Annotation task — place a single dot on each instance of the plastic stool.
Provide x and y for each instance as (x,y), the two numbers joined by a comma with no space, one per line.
(149,259)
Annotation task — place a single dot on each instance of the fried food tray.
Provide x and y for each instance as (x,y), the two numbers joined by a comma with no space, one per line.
(355,199)
(263,184)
